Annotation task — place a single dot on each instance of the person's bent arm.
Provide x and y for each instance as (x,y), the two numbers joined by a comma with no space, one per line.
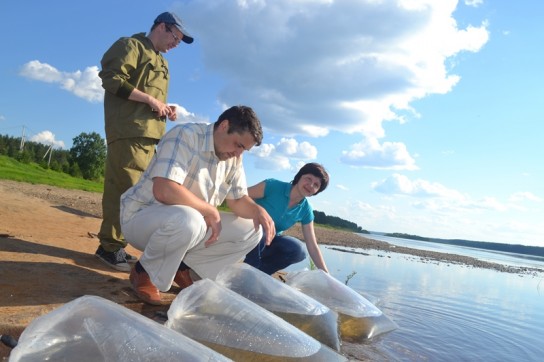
(169,192)
(246,208)
(256,191)
(118,62)
(313,249)
(162,109)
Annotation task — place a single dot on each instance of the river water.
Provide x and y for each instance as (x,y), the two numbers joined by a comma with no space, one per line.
(445,312)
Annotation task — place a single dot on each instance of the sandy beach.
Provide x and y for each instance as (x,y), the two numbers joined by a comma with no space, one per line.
(89,203)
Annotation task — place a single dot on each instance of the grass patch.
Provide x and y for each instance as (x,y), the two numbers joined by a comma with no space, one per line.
(11,169)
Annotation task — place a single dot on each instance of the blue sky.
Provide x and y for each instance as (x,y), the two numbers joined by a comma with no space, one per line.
(427,114)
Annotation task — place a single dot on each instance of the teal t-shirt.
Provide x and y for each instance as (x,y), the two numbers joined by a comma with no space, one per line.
(276,200)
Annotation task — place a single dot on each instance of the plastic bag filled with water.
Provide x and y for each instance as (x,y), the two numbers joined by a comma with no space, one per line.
(92,328)
(240,329)
(295,307)
(359,319)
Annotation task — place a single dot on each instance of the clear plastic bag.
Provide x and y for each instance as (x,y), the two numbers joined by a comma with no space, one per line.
(295,307)
(359,319)
(92,328)
(240,329)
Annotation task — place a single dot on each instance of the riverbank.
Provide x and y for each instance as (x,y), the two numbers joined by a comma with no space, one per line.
(89,203)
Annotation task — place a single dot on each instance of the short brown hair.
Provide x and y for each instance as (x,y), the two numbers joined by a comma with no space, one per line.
(242,119)
(314,169)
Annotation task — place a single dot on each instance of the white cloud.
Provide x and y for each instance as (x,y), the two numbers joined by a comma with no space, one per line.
(2,118)
(184,116)
(427,195)
(315,66)
(474,3)
(293,149)
(274,162)
(490,203)
(342,187)
(398,184)
(371,154)
(524,196)
(435,196)
(263,151)
(282,155)
(84,84)
(47,138)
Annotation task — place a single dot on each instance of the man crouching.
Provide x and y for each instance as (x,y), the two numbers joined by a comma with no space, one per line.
(171,214)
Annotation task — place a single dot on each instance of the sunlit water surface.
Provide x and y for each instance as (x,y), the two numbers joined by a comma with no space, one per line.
(445,312)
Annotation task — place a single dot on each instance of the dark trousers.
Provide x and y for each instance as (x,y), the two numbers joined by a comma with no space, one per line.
(282,252)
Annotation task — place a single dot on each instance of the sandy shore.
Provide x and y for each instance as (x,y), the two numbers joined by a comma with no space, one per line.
(89,203)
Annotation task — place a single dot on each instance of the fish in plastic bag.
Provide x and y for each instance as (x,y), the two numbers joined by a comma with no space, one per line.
(359,319)
(295,307)
(92,328)
(240,329)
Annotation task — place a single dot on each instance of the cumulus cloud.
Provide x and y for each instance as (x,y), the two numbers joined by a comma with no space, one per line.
(312,67)
(184,116)
(306,74)
(84,84)
(435,196)
(293,149)
(398,184)
(371,154)
(474,3)
(47,138)
(524,196)
(287,154)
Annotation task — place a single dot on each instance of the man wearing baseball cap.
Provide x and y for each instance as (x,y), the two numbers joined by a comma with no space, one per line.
(135,78)
(172,19)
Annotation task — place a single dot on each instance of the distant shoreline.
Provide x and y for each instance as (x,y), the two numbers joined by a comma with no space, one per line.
(537,251)
(331,237)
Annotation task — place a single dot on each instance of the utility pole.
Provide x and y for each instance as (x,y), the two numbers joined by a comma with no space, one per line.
(50,151)
(22,145)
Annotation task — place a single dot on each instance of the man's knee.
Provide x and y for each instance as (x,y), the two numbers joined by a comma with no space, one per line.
(187,221)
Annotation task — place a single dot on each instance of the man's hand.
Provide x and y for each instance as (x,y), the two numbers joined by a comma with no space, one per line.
(169,192)
(269,228)
(160,108)
(213,221)
(247,208)
(173,115)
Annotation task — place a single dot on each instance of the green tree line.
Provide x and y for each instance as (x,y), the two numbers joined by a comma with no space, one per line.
(336,222)
(85,159)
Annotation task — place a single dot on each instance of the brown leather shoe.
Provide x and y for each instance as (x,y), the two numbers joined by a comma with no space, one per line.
(183,278)
(145,290)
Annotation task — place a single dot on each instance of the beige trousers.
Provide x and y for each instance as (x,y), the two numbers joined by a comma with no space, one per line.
(170,234)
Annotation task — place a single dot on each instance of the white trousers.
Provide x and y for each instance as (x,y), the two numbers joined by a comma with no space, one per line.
(169,234)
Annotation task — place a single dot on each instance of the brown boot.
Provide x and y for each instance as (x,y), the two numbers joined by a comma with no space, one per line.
(145,290)
(183,278)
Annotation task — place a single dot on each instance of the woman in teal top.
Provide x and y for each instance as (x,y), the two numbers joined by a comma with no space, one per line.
(286,203)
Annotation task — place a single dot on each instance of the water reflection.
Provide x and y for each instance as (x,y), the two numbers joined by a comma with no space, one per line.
(445,312)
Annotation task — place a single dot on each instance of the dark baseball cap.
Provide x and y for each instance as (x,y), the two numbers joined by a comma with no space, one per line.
(173,19)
